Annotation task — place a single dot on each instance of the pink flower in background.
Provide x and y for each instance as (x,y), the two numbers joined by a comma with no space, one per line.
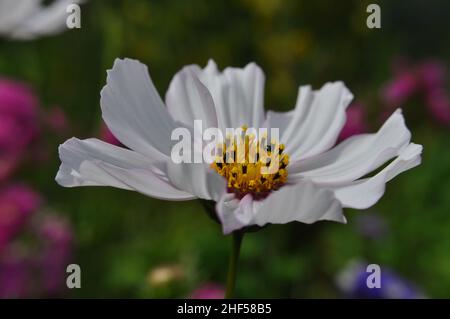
(356,122)
(432,74)
(402,87)
(107,136)
(17,203)
(18,113)
(40,271)
(57,237)
(209,291)
(18,123)
(439,106)
(56,120)
(425,80)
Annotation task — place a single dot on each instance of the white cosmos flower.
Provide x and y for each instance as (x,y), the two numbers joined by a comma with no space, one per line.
(322,178)
(29,19)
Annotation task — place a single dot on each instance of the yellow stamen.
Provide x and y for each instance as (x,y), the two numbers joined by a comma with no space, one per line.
(254,172)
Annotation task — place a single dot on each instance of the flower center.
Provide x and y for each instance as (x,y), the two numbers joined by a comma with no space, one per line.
(250,165)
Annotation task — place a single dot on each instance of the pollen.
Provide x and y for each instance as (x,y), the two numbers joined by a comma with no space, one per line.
(251,165)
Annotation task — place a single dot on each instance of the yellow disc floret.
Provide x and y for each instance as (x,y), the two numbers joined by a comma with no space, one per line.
(250,165)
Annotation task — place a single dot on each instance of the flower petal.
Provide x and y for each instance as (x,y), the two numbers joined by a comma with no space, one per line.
(47,20)
(93,162)
(134,111)
(303,202)
(233,213)
(197,179)
(188,99)
(356,156)
(279,120)
(13,12)
(364,193)
(238,94)
(316,122)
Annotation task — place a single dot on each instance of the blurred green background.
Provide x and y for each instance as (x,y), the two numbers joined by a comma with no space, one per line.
(121,237)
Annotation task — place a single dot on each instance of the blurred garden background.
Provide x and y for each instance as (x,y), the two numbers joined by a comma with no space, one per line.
(129,245)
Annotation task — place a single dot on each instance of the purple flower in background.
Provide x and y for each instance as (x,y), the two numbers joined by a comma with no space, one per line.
(57,237)
(356,122)
(208,291)
(352,282)
(40,271)
(18,123)
(17,203)
(14,274)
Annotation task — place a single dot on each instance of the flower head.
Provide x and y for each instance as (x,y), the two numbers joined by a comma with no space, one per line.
(320,178)
(245,175)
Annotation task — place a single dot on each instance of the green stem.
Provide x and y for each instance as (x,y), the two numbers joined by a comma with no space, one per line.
(232,265)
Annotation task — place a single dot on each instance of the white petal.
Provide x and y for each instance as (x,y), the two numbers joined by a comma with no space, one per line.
(317,120)
(188,99)
(197,179)
(303,202)
(92,162)
(356,156)
(134,111)
(13,12)
(279,120)
(238,94)
(366,192)
(234,213)
(47,20)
